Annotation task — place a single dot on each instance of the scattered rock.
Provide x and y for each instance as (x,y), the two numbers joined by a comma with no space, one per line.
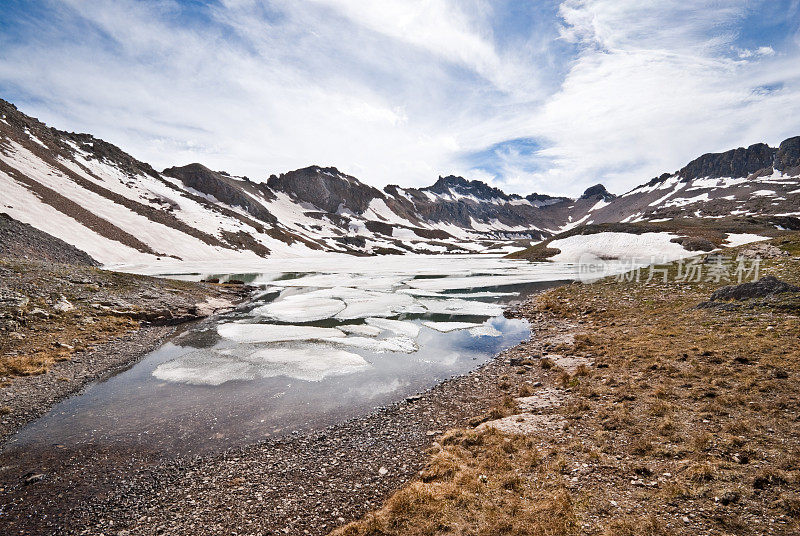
(765,287)
(763,251)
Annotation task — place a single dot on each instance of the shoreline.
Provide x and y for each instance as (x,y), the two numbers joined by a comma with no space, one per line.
(31,397)
(348,467)
(65,326)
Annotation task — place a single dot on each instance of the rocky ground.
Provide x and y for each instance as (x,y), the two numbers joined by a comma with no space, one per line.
(630,411)
(21,241)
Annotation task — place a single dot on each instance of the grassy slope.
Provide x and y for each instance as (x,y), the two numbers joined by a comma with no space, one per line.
(710,230)
(686,425)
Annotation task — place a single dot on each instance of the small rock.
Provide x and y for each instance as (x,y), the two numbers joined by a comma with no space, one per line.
(383,471)
(32,478)
(63,305)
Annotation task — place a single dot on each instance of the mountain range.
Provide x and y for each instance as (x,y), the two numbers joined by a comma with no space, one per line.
(94,196)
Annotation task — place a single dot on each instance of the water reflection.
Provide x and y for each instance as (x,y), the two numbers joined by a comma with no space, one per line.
(202,392)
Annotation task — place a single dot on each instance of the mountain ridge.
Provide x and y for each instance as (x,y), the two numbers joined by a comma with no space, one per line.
(93,195)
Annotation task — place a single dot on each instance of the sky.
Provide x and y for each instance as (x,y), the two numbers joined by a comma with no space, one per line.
(529,96)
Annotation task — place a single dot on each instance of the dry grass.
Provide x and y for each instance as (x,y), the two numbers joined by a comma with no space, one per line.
(58,339)
(690,426)
(478,484)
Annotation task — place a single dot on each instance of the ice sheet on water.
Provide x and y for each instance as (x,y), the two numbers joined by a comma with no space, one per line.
(439,294)
(205,368)
(461,307)
(356,281)
(407,329)
(255,333)
(547,273)
(309,362)
(378,304)
(404,345)
(446,327)
(358,303)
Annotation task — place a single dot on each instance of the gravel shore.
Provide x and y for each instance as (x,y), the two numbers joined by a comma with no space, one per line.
(298,484)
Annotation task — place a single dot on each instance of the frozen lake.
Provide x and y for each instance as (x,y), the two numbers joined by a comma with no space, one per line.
(322,340)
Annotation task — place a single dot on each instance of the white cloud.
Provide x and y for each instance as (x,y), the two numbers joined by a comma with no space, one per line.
(399,91)
(644,96)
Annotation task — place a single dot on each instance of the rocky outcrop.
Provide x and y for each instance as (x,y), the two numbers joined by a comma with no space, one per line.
(598,191)
(543,200)
(787,158)
(222,187)
(735,163)
(763,288)
(459,186)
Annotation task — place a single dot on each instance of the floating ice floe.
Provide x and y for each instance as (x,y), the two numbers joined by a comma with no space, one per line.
(300,308)
(408,329)
(446,327)
(355,281)
(255,333)
(404,345)
(439,294)
(310,362)
(377,304)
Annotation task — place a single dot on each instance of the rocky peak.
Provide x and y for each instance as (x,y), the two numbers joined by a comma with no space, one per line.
(787,157)
(21,127)
(543,200)
(223,187)
(461,186)
(735,163)
(598,191)
(326,188)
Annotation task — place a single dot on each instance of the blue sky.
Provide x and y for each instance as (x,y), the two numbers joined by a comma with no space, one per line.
(545,96)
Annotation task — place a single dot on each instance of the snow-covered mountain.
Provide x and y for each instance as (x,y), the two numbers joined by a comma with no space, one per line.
(757,180)
(91,194)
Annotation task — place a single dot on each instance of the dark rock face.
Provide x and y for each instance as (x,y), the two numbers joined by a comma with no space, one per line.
(763,288)
(461,186)
(224,188)
(735,163)
(21,241)
(787,158)
(598,191)
(326,188)
(543,200)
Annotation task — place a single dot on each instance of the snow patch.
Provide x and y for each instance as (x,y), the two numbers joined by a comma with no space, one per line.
(618,246)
